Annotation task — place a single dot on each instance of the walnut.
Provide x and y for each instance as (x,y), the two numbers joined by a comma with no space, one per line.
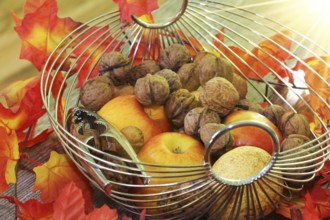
(219,95)
(240,85)
(124,90)
(295,141)
(274,113)
(223,144)
(178,104)
(174,56)
(210,66)
(135,137)
(246,104)
(172,78)
(116,66)
(114,175)
(294,123)
(142,69)
(95,92)
(189,76)
(151,90)
(197,117)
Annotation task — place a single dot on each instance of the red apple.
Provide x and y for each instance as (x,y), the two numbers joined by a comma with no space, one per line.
(251,135)
(124,111)
(168,149)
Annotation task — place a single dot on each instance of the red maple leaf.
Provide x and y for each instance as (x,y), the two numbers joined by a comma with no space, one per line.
(41,30)
(127,8)
(70,205)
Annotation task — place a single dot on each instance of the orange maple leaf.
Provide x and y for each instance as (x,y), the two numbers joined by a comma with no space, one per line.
(127,8)
(22,107)
(41,30)
(9,156)
(70,205)
(258,62)
(57,172)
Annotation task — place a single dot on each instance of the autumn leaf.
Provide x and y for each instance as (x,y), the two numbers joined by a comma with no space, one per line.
(317,85)
(127,8)
(34,210)
(41,30)
(9,156)
(21,107)
(70,205)
(88,47)
(57,172)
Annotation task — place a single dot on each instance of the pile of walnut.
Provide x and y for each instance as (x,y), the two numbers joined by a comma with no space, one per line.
(196,93)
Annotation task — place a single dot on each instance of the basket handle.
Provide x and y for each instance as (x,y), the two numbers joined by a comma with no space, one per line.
(227,128)
(165,24)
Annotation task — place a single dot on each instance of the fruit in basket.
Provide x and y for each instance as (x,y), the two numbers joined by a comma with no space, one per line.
(116,66)
(168,149)
(142,69)
(151,90)
(95,92)
(189,77)
(251,135)
(124,111)
(172,78)
(219,95)
(178,104)
(209,66)
(242,163)
(294,123)
(174,56)
(197,117)
(134,136)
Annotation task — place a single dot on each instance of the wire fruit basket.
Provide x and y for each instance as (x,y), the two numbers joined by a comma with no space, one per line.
(197,25)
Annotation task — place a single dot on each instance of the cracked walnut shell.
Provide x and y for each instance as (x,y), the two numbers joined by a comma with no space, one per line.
(219,95)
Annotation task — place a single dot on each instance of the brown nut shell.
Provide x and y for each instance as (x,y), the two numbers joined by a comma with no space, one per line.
(294,123)
(142,69)
(178,104)
(219,95)
(174,56)
(172,78)
(274,113)
(151,90)
(95,92)
(197,117)
(116,66)
(210,66)
(240,85)
(223,144)
(189,77)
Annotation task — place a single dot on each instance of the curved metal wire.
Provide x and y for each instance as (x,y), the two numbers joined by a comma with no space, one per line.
(198,25)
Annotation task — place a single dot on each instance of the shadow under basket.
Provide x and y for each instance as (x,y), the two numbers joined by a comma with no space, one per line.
(282,69)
